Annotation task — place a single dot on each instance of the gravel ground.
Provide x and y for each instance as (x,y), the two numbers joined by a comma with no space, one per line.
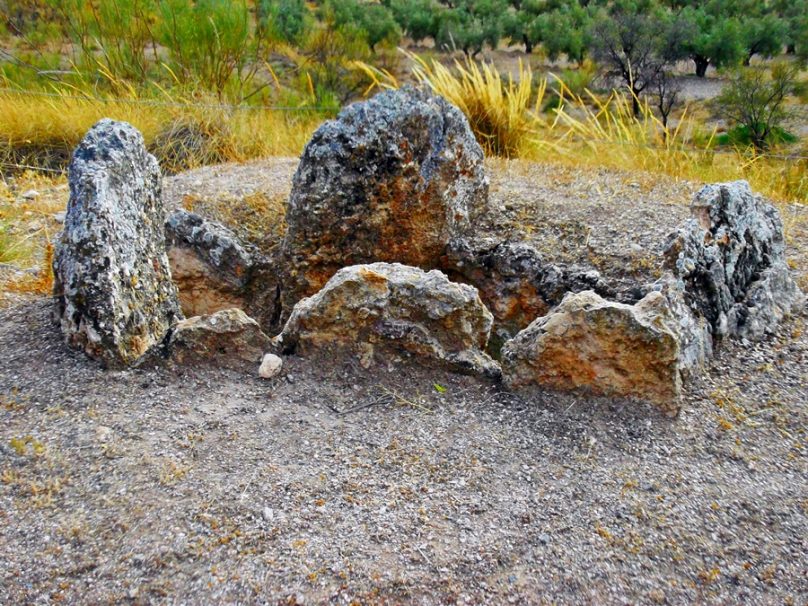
(332,485)
(404,484)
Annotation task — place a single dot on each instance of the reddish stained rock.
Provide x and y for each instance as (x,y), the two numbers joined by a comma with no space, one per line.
(391,179)
(606,348)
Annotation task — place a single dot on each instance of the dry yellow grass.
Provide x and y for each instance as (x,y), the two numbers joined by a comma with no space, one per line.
(41,130)
(27,227)
(589,131)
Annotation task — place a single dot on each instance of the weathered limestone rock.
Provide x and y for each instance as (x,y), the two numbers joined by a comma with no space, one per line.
(112,284)
(209,265)
(607,348)
(381,306)
(515,282)
(693,330)
(391,179)
(228,338)
(213,270)
(731,259)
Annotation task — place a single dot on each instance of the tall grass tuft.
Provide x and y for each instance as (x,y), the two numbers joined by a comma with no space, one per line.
(500,112)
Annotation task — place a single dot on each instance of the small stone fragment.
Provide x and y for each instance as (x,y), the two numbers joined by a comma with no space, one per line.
(395,307)
(112,284)
(31,194)
(607,348)
(271,366)
(228,338)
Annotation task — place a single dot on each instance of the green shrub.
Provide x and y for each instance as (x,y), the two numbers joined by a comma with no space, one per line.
(208,40)
(756,99)
(285,20)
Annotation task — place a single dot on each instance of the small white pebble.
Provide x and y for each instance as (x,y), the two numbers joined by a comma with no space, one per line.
(270,367)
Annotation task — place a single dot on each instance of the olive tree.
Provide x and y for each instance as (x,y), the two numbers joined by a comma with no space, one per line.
(756,99)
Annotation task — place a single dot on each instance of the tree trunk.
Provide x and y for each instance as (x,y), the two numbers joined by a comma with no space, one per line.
(791,48)
(701,66)
(528,44)
(635,103)
(748,60)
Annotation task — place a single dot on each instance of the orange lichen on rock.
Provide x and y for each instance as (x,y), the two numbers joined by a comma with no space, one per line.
(604,347)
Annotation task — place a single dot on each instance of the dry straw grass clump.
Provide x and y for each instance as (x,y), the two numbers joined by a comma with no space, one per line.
(41,129)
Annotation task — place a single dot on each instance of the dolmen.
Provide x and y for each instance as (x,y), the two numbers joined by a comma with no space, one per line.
(381,257)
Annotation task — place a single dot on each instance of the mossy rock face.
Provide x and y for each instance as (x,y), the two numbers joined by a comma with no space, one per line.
(393,179)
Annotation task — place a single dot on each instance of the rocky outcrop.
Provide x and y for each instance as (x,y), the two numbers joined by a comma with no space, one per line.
(370,309)
(731,258)
(228,338)
(115,298)
(515,282)
(391,179)
(606,348)
(209,265)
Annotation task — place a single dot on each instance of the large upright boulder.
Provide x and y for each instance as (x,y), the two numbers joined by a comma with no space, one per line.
(112,284)
(605,348)
(391,179)
(376,309)
(731,258)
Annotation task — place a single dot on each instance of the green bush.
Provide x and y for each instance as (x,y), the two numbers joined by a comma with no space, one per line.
(208,40)
(285,20)
(756,101)
(373,23)
(471,24)
(417,18)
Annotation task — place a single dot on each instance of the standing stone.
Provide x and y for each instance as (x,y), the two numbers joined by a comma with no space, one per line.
(370,310)
(606,348)
(391,179)
(731,258)
(112,284)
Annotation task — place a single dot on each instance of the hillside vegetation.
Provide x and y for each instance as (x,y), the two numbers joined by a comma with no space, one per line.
(578,82)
